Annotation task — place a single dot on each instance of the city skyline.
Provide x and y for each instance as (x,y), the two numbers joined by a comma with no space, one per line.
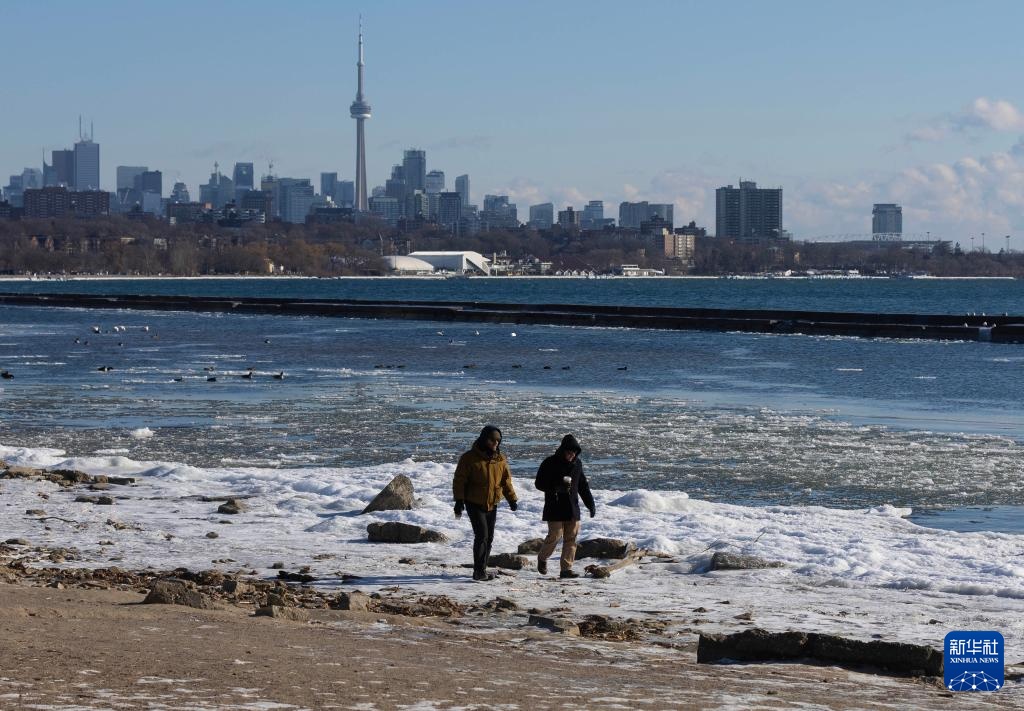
(663,102)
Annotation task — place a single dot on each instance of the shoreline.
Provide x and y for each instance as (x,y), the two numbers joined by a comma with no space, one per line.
(59,648)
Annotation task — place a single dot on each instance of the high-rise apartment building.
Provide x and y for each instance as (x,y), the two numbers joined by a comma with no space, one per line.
(499,213)
(748,212)
(449,210)
(462,188)
(887,218)
(386,208)
(219,191)
(296,199)
(414,166)
(542,216)
(569,218)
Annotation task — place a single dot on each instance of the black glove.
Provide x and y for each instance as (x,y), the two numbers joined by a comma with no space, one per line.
(513,505)
(459,506)
(592,511)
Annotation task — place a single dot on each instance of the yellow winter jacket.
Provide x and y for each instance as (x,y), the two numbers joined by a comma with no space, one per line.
(483,480)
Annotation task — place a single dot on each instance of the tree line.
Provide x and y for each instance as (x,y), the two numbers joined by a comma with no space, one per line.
(117,245)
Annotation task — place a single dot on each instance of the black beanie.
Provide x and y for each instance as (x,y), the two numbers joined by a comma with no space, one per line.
(569,444)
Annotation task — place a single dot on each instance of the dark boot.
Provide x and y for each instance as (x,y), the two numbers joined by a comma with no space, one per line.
(568,574)
(542,567)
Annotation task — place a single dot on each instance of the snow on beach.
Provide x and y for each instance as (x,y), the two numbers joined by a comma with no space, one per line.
(866,573)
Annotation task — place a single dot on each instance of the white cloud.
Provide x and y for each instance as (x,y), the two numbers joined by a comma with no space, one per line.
(982,114)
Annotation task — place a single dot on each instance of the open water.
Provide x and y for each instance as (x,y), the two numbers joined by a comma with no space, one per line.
(744,418)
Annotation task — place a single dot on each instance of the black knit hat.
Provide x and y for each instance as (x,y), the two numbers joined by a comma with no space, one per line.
(569,444)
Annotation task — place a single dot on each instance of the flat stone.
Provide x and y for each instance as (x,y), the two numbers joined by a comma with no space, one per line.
(556,624)
(16,542)
(287,613)
(237,587)
(760,645)
(397,532)
(604,548)
(507,560)
(735,561)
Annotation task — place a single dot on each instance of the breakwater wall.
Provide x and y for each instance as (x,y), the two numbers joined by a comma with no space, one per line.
(969,327)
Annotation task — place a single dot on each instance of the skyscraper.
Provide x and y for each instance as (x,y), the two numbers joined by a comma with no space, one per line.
(87,163)
(360,111)
(748,212)
(64,167)
(329,185)
(887,218)
(414,165)
(462,188)
(243,178)
(126,175)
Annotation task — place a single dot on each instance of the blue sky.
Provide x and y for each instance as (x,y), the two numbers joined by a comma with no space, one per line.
(841,104)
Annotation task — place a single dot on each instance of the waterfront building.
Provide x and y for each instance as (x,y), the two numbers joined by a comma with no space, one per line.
(360,111)
(462,188)
(679,245)
(542,216)
(887,218)
(748,212)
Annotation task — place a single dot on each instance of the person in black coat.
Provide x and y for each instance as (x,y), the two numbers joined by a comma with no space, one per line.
(563,482)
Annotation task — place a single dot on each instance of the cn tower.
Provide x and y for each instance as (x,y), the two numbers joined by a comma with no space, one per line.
(360,112)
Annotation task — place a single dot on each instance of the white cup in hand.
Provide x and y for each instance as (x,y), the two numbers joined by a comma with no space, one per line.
(567,479)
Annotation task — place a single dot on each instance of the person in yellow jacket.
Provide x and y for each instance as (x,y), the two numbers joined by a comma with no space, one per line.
(481,479)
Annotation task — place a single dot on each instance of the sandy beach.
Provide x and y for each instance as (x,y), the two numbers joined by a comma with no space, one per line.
(95,648)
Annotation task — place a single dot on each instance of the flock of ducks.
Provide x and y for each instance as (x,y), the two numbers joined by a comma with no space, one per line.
(251,373)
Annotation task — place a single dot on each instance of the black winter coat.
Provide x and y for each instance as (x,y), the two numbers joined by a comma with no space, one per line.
(561,500)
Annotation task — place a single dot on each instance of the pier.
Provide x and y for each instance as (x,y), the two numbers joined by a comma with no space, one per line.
(967,327)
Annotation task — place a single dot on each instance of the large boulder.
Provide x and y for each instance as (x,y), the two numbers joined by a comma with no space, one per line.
(735,561)
(396,496)
(760,645)
(604,548)
(174,592)
(396,532)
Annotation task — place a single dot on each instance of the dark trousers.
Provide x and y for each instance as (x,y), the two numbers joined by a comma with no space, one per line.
(482,521)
